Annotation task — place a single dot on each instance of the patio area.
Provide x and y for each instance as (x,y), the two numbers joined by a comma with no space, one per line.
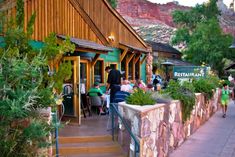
(90,126)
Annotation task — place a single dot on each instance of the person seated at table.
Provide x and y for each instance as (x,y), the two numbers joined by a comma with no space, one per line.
(126,86)
(141,84)
(150,88)
(95,91)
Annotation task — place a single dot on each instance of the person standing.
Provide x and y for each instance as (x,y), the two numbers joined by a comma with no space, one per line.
(113,82)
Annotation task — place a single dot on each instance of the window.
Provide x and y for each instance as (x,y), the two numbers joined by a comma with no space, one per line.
(99,71)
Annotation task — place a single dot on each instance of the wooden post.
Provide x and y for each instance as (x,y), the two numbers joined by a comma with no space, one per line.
(133,67)
(127,64)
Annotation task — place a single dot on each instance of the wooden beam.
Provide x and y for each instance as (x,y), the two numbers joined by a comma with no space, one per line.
(143,59)
(130,58)
(126,24)
(133,67)
(90,50)
(137,58)
(127,64)
(95,59)
(124,53)
(85,16)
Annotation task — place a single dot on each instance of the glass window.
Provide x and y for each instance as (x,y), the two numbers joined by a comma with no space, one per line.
(99,72)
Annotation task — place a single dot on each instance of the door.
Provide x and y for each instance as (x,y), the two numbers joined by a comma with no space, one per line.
(71,90)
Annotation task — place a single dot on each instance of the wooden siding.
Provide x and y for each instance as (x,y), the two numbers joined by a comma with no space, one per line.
(58,16)
(110,23)
(92,20)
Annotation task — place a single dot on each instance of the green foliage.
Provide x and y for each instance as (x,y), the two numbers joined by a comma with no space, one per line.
(113,3)
(184,93)
(203,85)
(54,52)
(26,87)
(20,13)
(205,40)
(140,97)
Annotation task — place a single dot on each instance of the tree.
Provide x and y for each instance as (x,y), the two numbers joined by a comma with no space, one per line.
(25,87)
(205,40)
(113,3)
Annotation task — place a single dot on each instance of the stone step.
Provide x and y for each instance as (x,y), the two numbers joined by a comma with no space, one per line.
(97,155)
(83,139)
(115,148)
(87,144)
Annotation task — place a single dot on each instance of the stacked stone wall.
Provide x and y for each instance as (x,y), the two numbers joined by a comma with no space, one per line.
(160,128)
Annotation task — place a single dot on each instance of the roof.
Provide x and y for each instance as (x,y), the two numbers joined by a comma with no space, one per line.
(163,47)
(127,25)
(87,44)
(178,62)
(231,66)
(135,48)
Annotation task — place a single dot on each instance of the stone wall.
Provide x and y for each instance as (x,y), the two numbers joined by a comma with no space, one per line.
(160,128)
(46,114)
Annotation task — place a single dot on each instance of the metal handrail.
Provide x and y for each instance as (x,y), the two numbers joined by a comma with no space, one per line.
(114,109)
(57,124)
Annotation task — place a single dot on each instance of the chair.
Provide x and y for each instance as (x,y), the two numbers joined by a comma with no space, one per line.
(85,105)
(96,101)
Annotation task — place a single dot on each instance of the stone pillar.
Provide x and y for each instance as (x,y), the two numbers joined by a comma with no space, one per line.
(149,73)
(46,114)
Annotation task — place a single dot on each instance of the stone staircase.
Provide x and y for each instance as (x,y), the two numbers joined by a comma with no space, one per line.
(89,146)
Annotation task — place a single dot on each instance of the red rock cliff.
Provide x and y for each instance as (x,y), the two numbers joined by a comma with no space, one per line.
(143,12)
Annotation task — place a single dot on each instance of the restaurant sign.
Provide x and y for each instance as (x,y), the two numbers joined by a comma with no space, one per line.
(189,71)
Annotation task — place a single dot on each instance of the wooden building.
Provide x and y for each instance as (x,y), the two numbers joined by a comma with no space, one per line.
(164,51)
(102,37)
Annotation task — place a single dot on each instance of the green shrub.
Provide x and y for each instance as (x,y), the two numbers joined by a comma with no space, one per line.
(184,93)
(25,88)
(140,97)
(206,86)
(163,97)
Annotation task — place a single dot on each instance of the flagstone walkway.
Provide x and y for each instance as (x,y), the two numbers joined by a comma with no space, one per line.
(216,138)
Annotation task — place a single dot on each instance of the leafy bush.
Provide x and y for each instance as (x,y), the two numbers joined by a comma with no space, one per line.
(184,93)
(140,97)
(161,97)
(206,85)
(25,87)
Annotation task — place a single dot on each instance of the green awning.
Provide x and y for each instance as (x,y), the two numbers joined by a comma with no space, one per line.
(36,45)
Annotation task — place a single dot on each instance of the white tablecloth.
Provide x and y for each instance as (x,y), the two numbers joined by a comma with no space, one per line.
(107,98)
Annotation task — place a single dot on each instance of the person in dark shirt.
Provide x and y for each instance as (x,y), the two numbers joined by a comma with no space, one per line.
(113,82)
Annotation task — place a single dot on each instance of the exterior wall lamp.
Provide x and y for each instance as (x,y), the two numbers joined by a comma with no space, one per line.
(111,38)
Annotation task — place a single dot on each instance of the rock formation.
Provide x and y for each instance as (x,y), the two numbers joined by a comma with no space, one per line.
(143,14)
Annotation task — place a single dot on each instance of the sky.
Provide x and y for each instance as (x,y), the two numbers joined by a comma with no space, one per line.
(188,2)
